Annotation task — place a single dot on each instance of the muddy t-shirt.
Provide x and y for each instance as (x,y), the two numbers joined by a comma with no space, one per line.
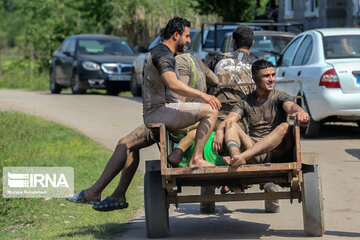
(193,72)
(158,61)
(263,117)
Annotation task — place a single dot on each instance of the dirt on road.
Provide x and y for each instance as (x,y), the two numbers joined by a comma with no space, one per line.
(105,119)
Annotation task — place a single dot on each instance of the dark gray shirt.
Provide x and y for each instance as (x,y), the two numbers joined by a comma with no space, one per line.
(263,117)
(158,61)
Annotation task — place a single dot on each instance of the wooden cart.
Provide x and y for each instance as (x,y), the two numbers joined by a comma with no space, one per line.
(300,175)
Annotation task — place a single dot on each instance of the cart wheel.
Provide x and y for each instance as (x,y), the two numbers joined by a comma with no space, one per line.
(207,207)
(156,209)
(312,201)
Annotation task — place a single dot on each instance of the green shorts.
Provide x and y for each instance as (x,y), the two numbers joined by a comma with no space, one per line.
(209,154)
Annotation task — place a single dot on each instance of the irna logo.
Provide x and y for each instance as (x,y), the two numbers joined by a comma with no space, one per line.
(18,180)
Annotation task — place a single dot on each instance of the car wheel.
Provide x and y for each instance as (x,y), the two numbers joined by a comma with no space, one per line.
(134,87)
(75,85)
(113,92)
(54,87)
(314,126)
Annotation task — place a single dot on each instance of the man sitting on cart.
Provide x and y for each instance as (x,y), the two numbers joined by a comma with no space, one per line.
(270,136)
(160,74)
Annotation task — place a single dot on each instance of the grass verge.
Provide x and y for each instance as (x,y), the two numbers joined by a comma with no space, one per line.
(31,141)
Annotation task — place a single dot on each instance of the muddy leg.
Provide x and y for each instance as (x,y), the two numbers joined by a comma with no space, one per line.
(265,145)
(208,118)
(176,156)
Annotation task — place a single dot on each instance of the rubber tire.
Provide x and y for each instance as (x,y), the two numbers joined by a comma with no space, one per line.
(113,92)
(156,210)
(314,126)
(75,85)
(54,87)
(312,201)
(134,87)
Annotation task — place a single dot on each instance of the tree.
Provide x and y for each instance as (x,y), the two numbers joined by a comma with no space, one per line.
(229,10)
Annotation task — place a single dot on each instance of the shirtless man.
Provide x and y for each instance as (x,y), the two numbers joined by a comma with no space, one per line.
(266,109)
(159,74)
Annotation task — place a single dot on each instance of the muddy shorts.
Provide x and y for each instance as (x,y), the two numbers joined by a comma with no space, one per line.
(175,115)
(141,137)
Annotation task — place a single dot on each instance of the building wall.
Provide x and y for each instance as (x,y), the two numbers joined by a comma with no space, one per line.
(330,13)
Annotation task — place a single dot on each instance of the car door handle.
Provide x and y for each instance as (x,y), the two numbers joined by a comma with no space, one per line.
(299,73)
(283,74)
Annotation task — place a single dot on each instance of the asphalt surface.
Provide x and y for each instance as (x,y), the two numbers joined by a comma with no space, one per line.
(105,119)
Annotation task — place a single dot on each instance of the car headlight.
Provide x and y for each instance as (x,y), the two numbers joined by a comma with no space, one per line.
(91,66)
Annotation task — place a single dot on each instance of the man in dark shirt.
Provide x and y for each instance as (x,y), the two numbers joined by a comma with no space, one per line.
(266,109)
(159,74)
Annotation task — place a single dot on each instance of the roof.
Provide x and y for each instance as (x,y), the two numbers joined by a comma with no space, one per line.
(337,31)
(273,33)
(94,36)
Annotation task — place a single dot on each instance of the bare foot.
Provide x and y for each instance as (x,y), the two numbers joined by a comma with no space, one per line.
(175,157)
(200,163)
(235,161)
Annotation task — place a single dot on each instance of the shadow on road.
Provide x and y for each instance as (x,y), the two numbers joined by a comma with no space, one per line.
(337,131)
(355,152)
(300,234)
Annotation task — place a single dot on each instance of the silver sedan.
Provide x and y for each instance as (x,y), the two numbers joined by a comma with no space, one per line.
(328,63)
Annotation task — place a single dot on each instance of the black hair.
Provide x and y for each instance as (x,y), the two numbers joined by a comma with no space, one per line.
(243,37)
(176,24)
(260,65)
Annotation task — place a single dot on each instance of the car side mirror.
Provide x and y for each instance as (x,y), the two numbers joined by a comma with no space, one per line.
(68,54)
(140,49)
(272,59)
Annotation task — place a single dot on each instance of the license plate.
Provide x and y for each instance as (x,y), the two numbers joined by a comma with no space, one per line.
(119,77)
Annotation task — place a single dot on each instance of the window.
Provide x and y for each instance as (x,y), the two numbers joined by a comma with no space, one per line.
(304,51)
(312,8)
(356,4)
(71,47)
(286,58)
(289,9)
(344,46)
(65,45)
(154,42)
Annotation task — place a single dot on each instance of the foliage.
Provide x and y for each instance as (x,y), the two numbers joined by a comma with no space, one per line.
(31,141)
(229,10)
(39,26)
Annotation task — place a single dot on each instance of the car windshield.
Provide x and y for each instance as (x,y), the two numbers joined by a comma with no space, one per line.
(220,35)
(104,47)
(344,46)
(268,45)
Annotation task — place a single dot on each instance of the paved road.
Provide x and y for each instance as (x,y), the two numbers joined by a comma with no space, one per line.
(105,119)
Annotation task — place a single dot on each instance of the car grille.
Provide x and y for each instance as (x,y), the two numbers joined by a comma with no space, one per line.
(116,68)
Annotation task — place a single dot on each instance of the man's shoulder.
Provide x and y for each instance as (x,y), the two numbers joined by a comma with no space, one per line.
(161,50)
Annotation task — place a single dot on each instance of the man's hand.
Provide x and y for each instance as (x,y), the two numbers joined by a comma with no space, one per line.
(301,117)
(212,100)
(218,141)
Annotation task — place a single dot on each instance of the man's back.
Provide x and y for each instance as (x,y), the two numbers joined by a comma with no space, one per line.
(232,68)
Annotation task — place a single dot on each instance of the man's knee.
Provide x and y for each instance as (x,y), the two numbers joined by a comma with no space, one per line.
(230,125)
(208,111)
